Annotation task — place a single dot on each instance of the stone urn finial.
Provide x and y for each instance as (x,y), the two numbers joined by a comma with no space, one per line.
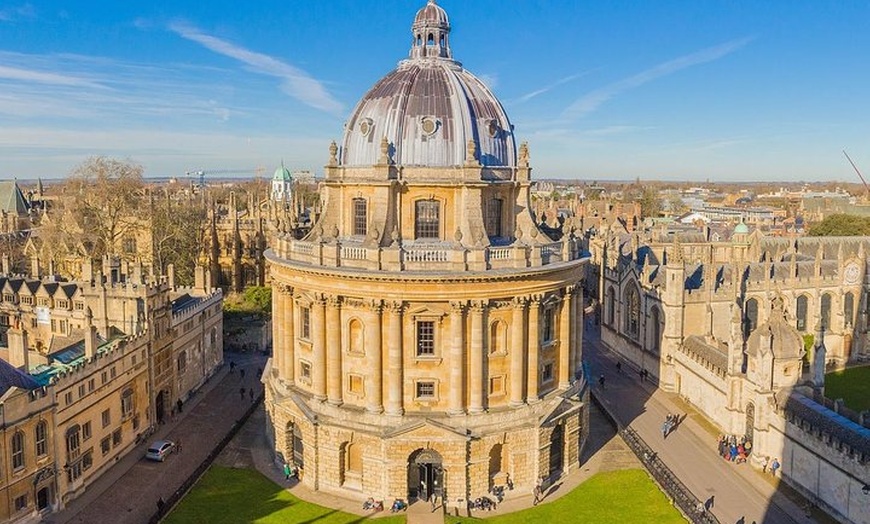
(333,154)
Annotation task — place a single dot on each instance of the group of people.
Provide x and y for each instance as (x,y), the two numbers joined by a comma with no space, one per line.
(670,424)
(290,471)
(734,449)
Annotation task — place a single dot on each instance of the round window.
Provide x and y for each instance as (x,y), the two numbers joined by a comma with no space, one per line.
(365,127)
(429,125)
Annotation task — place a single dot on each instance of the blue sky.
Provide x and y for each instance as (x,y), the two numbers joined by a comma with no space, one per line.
(664,90)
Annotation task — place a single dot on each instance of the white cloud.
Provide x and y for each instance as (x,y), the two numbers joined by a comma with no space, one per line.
(592,101)
(11,14)
(489,79)
(528,96)
(296,82)
(42,77)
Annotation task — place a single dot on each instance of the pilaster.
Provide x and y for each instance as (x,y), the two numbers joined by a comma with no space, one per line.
(394,359)
(333,350)
(456,405)
(374,352)
(476,362)
(517,351)
(534,347)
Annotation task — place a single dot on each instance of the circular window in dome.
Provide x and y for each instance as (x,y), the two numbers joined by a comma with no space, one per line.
(493,128)
(428,125)
(365,127)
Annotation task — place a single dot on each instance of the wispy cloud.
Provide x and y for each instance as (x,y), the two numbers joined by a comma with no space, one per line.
(528,96)
(489,79)
(13,13)
(592,101)
(296,82)
(43,77)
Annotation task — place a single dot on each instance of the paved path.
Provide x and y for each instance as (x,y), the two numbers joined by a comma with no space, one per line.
(739,494)
(128,492)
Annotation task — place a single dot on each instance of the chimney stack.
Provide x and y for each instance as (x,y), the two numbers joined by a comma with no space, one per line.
(18,352)
(90,335)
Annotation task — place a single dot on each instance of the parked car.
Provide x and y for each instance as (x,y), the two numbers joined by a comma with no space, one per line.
(159,450)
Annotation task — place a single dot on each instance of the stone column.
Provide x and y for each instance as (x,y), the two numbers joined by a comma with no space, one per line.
(333,351)
(565,339)
(375,394)
(455,405)
(578,320)
(288,320)
(534,375)
(279,342)
(518,345)
(475,368)
(318,331)
(395,394)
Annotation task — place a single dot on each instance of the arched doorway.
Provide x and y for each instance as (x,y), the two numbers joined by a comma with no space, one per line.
(160,405)
(495,465)
(750,421)
(557,447)
(425,475)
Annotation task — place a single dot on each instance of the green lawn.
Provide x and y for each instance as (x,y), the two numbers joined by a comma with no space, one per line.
(852,385)
(236,496)
(616,496)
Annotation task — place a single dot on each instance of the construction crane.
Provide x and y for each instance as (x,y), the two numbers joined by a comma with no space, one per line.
(866,187)
(259,170)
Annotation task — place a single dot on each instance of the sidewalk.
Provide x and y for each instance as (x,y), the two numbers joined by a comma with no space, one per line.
(738,493)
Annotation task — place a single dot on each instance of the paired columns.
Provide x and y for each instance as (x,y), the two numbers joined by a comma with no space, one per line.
(375,393)
(455,404)
(333,351)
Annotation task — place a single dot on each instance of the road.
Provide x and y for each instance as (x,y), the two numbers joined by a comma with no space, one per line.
(738,493)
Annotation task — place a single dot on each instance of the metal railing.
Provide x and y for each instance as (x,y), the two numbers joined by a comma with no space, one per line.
(691,507)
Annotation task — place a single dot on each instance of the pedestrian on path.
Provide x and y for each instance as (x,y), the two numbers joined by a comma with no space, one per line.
(179,404)
(601,381)
(251,393)
(619,367)
(665,429)
(242,393)
(286,471)
(242,373)
(764,464)
(774,466)
(232,366)
(538,491)
(178,446)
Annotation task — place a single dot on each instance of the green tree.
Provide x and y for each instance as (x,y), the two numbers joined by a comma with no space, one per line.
(650,203)
(841,226)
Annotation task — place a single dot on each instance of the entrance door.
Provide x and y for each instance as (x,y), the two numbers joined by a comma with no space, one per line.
(42,499)
(557,446)
(425,475)
(160,406)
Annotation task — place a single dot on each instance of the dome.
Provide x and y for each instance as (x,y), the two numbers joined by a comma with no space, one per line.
(282,174)
(432,14)
(428,109)
(741,229)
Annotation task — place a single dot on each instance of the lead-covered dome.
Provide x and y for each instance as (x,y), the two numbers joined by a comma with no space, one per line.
(429,108)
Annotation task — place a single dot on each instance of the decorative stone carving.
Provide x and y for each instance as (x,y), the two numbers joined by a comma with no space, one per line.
(333,154)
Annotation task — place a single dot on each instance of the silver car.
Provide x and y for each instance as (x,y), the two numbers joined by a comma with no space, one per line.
(159,450)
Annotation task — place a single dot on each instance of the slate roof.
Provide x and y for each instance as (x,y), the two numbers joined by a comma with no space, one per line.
(855,436)
(717,357)
(11,377)
(12,199)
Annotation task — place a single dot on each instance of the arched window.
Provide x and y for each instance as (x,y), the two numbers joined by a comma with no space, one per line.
(430,40)
(849,308)
(611,306)
(182,361)
(750,319)
(41,438)
(354,458)
(493,217)
(127,403)
(360,216)
(632,312)
(427,219)
(419,39)
(655,330)
(18,450)
(802,309)
(495,462)
(356,337)
(498,337)
(825,313)
(213,337)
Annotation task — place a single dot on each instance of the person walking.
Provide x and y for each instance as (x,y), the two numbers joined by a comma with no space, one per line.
(242,393)
(601,381)
(251,393)
(764,464)
(619,366)
(179,404)
(287,471)
(232,366)
(242,373)
(774,466)
(665,428)
(538,492)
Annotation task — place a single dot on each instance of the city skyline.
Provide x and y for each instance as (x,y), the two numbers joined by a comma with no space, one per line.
(675,91)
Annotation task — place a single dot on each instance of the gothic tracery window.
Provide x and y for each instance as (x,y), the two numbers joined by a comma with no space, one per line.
(632,318)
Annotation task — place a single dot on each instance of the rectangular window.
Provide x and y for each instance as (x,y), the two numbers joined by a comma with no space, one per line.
(547,372)
(360,219)
(64,324)
(116,438)
(21,503)
(33,322)
(88,460)
(107,418)
(425,338)
(427,219)
(103,377)
(28,301)
(68,398)
(18,450)
(41,439)
(112,372)
(86,431)
(305,370)
(105,446)
(549,317)
(425,389)
(305,317)
(90,385)
(493,217)
(62,304)
(81,390)
(127,403)
(78,305)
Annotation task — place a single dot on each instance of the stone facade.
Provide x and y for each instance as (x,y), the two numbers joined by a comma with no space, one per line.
(427,333)
(99,362)
(744,331)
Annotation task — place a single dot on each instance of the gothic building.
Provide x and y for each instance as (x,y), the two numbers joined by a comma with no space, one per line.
(744,330)
(427,339)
